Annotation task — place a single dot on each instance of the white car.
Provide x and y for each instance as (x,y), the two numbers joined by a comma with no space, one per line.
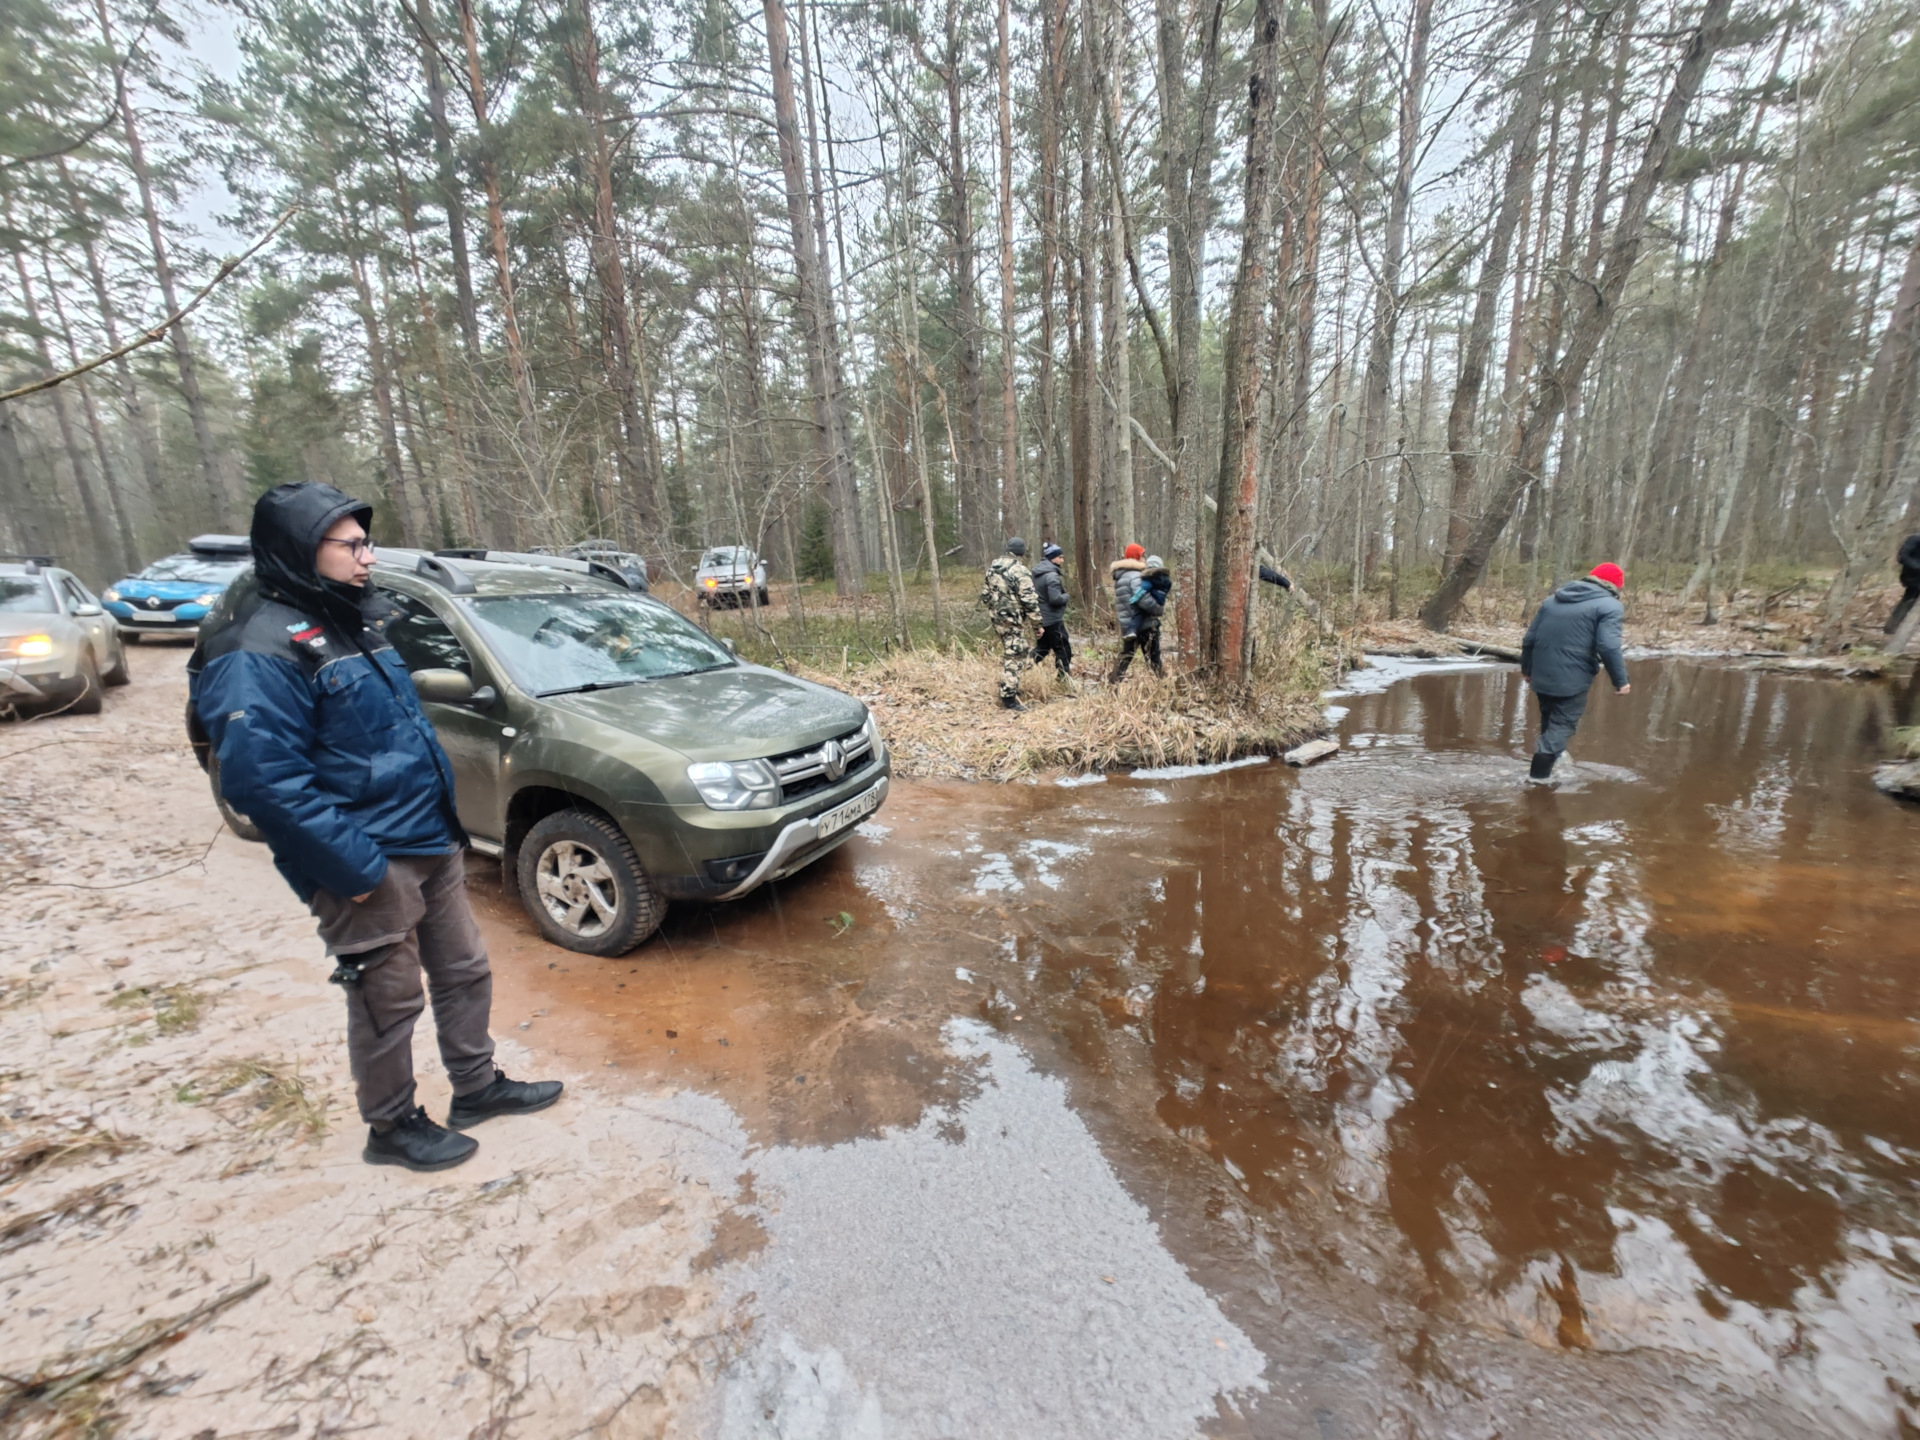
(58,645)
(728,575)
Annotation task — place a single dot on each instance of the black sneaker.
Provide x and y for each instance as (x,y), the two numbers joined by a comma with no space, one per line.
(417,1143)
(1012,702)
(502,1097)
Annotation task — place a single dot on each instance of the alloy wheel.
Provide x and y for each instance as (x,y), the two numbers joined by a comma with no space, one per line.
(576,888)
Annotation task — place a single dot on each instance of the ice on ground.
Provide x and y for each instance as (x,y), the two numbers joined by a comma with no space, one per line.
(1189,772)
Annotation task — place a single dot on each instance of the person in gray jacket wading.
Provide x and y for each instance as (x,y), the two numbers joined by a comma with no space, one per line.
(1575,633)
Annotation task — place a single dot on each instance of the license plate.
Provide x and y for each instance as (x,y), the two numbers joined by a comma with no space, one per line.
(841,816)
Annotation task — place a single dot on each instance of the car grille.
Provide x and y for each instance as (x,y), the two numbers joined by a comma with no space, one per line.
(802,772)
(145,605)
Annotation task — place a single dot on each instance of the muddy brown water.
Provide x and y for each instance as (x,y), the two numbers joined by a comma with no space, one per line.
(1476,1108)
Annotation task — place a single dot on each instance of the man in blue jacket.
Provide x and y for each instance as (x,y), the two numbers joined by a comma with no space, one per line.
(1575,633)
(322,743)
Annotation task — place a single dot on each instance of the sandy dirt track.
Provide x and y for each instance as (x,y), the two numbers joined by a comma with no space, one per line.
(176,1126)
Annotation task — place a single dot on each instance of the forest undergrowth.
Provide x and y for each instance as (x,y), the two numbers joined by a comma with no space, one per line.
(933,683)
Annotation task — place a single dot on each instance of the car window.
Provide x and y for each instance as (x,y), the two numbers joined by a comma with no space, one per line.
(551,643)
(25,594)
(76,597)
(423,640)
(195,568)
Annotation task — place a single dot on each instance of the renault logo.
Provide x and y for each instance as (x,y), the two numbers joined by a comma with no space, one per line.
(153,602)
(833,760)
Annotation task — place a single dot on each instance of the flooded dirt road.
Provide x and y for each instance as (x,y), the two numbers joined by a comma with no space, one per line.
(1394,1097)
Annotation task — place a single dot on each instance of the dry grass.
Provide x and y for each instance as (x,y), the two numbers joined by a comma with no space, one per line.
(940,712)
(30,1156)
(270,1098)
(176,1008)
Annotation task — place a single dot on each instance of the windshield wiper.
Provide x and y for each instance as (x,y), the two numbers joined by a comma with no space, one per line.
(594,685)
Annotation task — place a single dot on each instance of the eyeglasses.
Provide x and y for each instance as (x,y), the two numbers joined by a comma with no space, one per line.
(357,548)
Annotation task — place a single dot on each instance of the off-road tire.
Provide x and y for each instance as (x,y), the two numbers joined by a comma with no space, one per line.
(91,697)
(236,822)
(637,908)
(119,674)
(763,597)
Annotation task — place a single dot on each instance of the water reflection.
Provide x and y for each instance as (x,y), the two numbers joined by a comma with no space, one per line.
(1629,1063)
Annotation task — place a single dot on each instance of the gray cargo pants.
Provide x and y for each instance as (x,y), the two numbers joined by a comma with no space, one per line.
(420,910)
(1559,716)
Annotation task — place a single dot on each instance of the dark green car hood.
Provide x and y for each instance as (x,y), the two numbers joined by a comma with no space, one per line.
(742,712)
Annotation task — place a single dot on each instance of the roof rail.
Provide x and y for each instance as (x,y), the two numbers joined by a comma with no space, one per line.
(450,578)
(546,562)
(34,563)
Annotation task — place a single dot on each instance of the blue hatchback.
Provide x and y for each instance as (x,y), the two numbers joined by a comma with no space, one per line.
(172,596)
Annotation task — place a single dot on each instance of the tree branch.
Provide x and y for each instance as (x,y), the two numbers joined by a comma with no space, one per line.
(158,331)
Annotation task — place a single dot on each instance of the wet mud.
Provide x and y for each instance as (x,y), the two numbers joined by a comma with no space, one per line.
(1407,1098)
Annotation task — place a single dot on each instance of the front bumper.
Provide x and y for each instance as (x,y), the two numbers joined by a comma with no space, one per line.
(135,618)
(703,854)
(45,677)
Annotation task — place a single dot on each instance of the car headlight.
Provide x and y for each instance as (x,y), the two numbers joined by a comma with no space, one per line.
(110,594)
(738,785)
(28,647)
(206,599)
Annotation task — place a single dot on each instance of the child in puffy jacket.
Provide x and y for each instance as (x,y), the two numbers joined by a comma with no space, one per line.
(1148,604)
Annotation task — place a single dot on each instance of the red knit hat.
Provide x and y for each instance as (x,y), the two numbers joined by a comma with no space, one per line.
(1135,552)
(1611,573)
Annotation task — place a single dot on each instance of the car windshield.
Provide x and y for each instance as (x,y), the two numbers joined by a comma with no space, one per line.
(25,594)
(198,569)
(725,555)
(554,643)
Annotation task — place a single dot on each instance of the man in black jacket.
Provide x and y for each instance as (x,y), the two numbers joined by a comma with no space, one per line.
(1572,636)
(322,743)
(1052,591)
(1909,562)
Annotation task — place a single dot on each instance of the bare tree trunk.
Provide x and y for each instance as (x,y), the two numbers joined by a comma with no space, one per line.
(1463,415)
(1591,317)
(815,304)
(630,451)
(1012,508)
(218,495)
(1053,482)
(126,555)
(1387,298)
(1238,493)
(106,542)
(532,455)
(1188,123)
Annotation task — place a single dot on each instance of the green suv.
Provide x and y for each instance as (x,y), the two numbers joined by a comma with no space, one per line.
(613,754)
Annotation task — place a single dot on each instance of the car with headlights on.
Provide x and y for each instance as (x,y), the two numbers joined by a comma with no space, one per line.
(729,575)
(614,755)
(58,646)
(173,595)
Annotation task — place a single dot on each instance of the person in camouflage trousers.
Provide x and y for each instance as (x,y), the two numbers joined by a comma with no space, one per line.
(1014,609)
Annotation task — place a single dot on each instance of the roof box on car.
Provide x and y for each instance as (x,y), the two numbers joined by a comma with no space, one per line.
(220,545)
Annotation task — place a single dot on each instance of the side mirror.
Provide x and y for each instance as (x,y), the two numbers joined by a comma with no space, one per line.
(444,687)
(731,648)
(87,612)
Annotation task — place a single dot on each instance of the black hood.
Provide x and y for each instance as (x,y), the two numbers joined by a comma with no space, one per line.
(288,523)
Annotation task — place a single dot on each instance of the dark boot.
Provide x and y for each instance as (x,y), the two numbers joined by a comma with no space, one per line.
(417,1143)
(502,1097)
(1012,702)
(1542,766)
